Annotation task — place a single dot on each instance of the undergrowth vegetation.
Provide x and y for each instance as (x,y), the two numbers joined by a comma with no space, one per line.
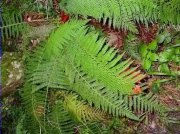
(89,66)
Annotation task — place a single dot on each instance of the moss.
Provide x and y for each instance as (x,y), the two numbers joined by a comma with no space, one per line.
(12,68)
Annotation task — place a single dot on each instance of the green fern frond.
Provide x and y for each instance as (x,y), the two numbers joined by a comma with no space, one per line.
(49,75)
(102,62)
(121,14)
(59,38)
(92,128)
(12,25)
(124,14)
(43,117)
(35,107)
(41,70)
(44,73)
(59,120)
(82,62)
(80,109)
(144,103)
(95,93)
(169,12)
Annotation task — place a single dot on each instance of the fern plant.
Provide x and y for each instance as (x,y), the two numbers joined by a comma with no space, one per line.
(74,81)
(79,72)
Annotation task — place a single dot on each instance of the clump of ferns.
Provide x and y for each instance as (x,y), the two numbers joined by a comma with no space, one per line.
(138,17)
(80,65)
(84,71)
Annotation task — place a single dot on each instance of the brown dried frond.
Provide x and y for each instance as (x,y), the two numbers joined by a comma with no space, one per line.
(34,18)
(56,6)
(147,34)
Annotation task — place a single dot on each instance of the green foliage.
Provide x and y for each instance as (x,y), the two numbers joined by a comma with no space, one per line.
(80,109)
(92,128)
(34,108)
(80,61)
(12,25)
(101,63)
(19,127)
(167,56)
(124,14)
(75,82)
(59,120)
(100,96)
(120,14)
(11,112)
(169,11)
(170,52)
(131,46)
(148,54)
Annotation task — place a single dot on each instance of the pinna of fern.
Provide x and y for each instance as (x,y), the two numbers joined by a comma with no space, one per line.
(80,61)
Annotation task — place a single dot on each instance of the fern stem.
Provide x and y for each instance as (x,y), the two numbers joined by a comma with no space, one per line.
(12,25)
